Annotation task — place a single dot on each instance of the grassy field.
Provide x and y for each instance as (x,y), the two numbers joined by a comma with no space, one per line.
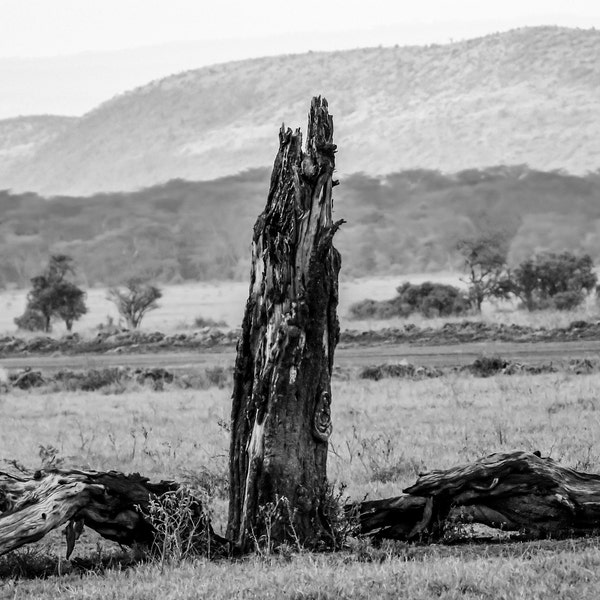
(385,433)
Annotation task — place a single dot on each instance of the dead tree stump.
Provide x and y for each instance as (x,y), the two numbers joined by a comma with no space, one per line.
(281,418)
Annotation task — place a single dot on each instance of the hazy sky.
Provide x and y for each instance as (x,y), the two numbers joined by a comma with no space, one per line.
(61,56)
(49,27)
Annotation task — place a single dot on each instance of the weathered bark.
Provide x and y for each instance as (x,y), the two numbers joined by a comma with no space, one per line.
(281,399)
(113,504)
(520,491)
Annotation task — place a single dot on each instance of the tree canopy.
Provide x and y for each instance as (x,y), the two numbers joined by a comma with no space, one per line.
(135,300)
(53,296)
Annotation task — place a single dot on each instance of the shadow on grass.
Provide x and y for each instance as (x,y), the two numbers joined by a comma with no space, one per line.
(35,563)
(519,547)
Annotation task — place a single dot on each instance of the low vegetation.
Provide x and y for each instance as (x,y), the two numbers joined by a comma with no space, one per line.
(428,299)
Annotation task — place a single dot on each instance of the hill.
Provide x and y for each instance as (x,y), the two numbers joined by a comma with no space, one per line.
(527,96)
(400,223)
(21,137)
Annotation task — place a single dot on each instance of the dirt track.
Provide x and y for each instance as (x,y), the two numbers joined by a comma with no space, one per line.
(438,356)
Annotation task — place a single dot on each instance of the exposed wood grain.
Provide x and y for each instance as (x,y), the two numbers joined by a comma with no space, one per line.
(519,491)
(281,418)
(113,504)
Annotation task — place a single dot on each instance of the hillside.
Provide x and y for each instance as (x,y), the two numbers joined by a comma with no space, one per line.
(21,137)
(527,96)
(400,223)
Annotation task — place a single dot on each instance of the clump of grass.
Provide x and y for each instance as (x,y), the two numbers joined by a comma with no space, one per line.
(182,526)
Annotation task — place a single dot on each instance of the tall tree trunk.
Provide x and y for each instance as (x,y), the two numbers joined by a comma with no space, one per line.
(47,322)
(281,418)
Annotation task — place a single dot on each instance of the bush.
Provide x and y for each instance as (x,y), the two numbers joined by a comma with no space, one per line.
(31,320)
(486,366)
(429,299)
(181,526)
(568,300)
(372,309)
(202,322)
(92,380)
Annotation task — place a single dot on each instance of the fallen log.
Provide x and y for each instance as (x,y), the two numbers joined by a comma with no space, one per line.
(518,491)
(113,504)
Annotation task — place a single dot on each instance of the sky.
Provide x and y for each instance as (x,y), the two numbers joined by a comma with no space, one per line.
(66,56)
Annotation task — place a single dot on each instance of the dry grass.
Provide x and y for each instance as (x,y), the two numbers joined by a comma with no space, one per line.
(385,433)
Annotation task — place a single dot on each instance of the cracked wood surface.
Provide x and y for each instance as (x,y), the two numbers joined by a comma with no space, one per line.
(518,491)
(113,504)
(281,416)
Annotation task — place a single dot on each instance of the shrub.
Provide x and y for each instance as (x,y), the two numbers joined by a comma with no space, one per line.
(94,379)
(568,300)
(201,321)
(485,366)
(372,309)
(181,524)
(429,299)
(31,320)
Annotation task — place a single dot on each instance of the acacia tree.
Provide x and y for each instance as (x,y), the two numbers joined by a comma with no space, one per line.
(485,263)
(53,296)
(135,300)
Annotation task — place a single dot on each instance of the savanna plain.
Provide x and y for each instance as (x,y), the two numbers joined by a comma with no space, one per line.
(385,433)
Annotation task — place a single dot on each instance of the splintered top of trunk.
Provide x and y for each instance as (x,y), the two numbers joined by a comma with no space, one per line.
(281,419)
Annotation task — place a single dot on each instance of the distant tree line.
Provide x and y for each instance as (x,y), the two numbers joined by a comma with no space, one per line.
(405,222)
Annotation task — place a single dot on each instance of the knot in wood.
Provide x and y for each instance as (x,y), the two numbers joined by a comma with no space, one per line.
(309,169)
(322,426)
